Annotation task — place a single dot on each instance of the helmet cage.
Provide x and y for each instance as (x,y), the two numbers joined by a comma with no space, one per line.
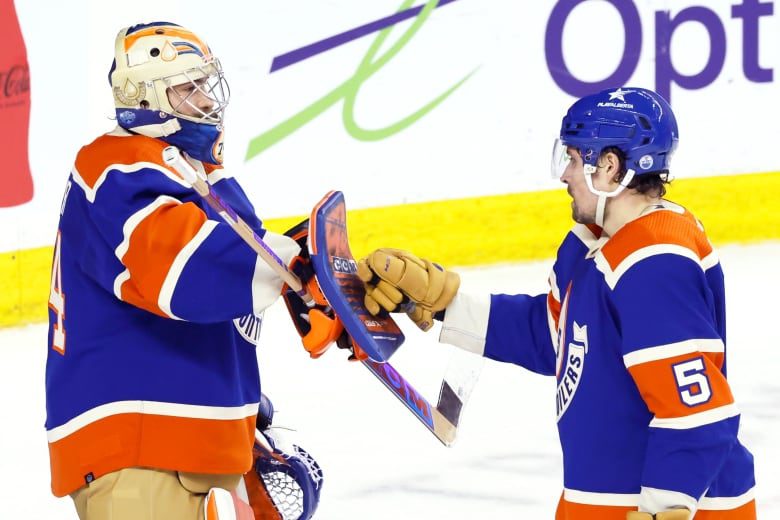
(205,82)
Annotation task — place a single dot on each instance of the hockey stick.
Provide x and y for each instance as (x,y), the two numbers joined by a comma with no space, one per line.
(173,158)
(336,272)
(441,420)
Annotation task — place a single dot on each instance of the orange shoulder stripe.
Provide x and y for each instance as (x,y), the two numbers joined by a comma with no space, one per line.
(663,227)
(154,244)
(94,158)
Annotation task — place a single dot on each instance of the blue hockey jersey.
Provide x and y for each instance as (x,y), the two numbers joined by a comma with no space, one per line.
(154,316)
(634,331)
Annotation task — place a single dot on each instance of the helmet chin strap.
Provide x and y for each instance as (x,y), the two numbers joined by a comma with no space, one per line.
(601,205)
(165,129)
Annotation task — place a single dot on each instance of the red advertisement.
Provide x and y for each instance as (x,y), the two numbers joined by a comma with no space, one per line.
(15,180)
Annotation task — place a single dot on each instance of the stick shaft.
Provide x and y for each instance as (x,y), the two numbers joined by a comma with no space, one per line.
(180,165)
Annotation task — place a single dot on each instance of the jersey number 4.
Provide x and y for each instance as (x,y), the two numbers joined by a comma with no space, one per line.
(57,301)
(692,382)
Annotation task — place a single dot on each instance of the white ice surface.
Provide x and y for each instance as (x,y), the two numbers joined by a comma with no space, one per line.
(379,462)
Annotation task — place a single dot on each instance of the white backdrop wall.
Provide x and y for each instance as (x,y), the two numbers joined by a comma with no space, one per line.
(491,135)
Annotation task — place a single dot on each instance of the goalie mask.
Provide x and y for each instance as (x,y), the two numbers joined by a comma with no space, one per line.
(167,84)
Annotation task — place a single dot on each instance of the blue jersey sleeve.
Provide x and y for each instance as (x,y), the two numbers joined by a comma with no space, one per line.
(518,332)
(672,345)
(154,244)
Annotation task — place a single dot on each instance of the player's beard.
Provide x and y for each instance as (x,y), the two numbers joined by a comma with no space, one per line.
(579,216)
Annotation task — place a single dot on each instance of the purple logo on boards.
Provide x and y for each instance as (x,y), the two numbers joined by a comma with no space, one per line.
(749,11)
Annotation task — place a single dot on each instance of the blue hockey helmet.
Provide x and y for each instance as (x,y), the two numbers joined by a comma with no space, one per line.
(637,121)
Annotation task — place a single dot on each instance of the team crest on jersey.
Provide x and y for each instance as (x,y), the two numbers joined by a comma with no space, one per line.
(249,327)
(570,359)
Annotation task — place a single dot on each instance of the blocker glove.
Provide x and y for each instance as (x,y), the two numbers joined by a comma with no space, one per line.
(318,326)
(398,280)
(672,514)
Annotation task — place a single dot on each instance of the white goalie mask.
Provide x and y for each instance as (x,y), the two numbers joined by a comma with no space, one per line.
(165,81)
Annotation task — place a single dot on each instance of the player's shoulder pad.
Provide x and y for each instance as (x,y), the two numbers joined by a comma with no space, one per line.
(668,230)
(121,151)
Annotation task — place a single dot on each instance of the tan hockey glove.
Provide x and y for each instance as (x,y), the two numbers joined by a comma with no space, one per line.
(394,278)
(673,514)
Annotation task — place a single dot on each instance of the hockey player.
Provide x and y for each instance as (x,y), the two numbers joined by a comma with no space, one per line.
(152,384)
(633,327)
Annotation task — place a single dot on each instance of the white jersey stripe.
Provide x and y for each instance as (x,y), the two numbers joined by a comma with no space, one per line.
(698,419)
(648,354)
(172,277)
(91,193)
(611,277)
(189,411)
(726,503)
(556,292)
(654,499)
(653,495)
(118,281)
(600,499)
(585,235)
(710,261)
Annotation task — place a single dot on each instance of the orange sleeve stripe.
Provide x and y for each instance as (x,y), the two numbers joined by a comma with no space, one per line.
(106,150)
(154,244)
(661,390)
(660,227)
(554,307)
(156,441)
(574,511)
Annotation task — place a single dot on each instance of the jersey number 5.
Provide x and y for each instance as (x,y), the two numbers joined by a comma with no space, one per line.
(692,382)
(57,300)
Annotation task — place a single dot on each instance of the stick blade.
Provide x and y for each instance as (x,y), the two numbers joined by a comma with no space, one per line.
(336,269)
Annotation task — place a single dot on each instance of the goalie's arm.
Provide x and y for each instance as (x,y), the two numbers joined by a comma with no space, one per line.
(171,259)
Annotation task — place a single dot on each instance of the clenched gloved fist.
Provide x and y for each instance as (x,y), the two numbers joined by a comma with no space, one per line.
(394,278)
(672,514)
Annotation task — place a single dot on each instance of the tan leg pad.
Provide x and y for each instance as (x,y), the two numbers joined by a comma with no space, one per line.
(147,494)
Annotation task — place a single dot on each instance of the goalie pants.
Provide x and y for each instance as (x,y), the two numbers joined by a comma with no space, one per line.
(148,494)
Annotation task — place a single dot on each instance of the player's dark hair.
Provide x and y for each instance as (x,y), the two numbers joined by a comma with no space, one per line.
(652,184)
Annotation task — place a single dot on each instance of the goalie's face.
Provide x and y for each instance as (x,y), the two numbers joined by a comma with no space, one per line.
(199,98)
(189,99)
